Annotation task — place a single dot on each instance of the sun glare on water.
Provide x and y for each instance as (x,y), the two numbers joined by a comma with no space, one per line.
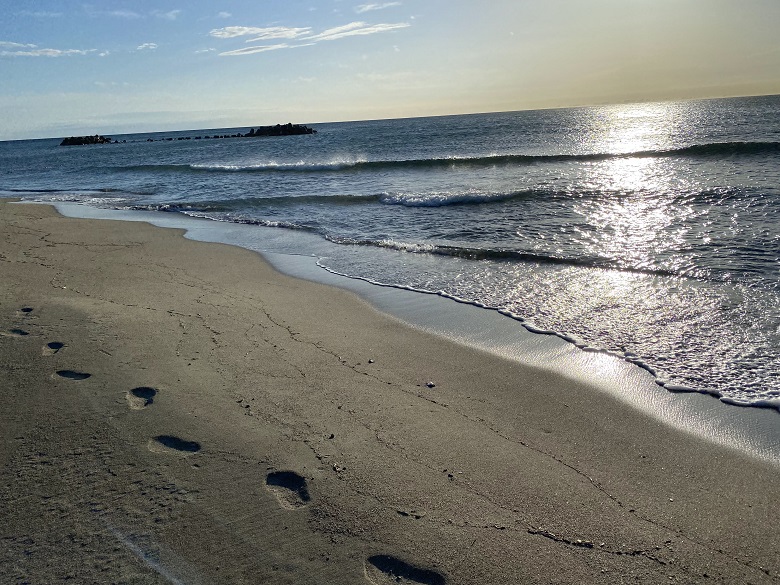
(636,216)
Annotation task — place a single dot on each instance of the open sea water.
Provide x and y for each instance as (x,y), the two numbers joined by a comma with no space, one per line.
(649,231)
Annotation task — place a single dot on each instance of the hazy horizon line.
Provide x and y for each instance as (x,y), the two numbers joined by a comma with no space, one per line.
(423,116)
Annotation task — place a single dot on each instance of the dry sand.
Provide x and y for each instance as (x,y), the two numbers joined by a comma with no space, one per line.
(179,412)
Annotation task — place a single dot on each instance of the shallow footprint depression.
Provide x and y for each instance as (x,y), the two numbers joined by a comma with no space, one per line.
(384,569)
(15,333)
(72,375)
(52,347)
(289,488)
(141,397)
(172,445)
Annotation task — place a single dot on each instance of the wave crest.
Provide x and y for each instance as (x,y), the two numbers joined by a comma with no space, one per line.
(715,149)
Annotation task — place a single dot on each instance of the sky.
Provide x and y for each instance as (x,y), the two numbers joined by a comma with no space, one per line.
(115,66)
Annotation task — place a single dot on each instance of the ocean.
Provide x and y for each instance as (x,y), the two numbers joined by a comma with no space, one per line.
(645,231)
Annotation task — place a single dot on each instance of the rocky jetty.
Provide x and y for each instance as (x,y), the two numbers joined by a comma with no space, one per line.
(81,140)
(280,130)
(288,129)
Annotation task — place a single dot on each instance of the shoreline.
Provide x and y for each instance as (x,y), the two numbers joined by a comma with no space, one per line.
(292,436)
(751,429)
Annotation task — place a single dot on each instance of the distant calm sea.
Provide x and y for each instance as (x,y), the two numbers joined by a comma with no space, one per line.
(646,230)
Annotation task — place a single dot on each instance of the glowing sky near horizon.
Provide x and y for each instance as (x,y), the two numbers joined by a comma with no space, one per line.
(119,66)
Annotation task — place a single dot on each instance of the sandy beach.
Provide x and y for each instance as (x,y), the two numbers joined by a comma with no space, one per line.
(179,412)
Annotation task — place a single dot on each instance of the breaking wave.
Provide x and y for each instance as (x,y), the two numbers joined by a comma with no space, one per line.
(715,149)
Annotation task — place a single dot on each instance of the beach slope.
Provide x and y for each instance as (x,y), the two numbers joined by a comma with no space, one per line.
(179,412)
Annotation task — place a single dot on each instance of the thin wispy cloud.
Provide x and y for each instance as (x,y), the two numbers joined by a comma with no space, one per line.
(355,29)
(171,15)
(124,14)
(253,50)
(12,45)
(40,14)
(337,30)
(369,7)
(47,53)
(302,36)
(127,14)
(147,47)
(224,15)
(130,14)
(266,37)
(31,50)
(258,33)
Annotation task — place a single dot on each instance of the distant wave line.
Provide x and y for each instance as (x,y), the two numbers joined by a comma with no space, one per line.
(714,149)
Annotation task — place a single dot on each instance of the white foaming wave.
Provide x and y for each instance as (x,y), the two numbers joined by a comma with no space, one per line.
(442,198)
(772,400)
(272,165)
(97,198)
(243,220)
(406,246)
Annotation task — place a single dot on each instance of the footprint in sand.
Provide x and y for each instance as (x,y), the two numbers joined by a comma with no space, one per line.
(141,397)
(17,332)
(171,445)
(14,333)
(72,375)
(52,348)
(289,488)
(384,569)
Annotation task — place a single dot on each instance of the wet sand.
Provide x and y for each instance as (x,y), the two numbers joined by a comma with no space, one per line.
(179,412)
